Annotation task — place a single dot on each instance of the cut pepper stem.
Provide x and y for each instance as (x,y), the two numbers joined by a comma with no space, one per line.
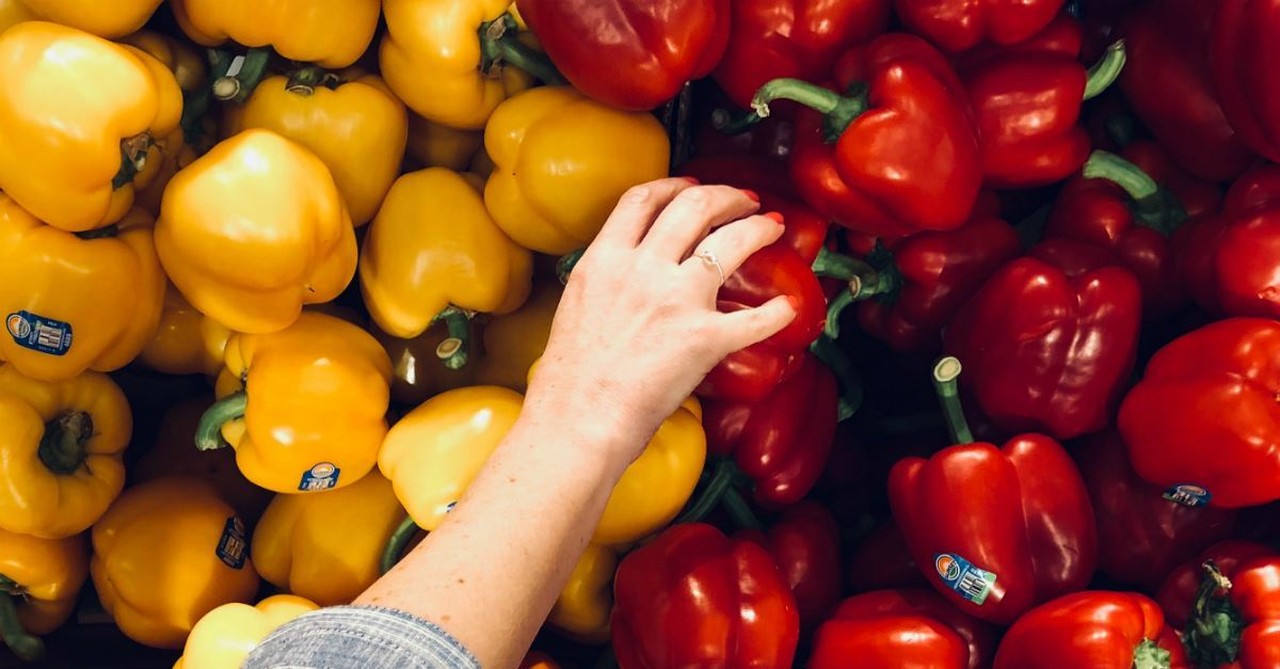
(305,81)
(453,351)
(225,410)
(945,374)
(499,45)
(395,545)
(840,110)
(566,263)
(739,510)
(1152,206)
(133,158)
(28,648)
(1150,656)
(729,122)
(62,448)
(721,480)
(235,78)
(1105,71)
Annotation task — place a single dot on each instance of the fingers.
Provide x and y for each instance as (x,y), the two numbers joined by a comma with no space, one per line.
(732,244)
(637,208)
(740,329)
(691,214)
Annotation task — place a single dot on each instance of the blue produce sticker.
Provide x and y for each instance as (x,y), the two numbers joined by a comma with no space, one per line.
(1187,494)
(234,545)
(38,333)
(972,583)
(321,476)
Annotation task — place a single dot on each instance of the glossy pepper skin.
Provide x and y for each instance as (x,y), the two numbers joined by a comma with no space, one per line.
(350,120)
(1021,513)
(1243,243)
(255,229)
(887,629)
(73,302)
(40,581)
(959,26)
(225,636)
(769,39)
(1204,414)
(696,598)
(805,545)
(71,161)
(327,547)
(311,415)
(782,441)
(1170,86)
(433,245)
(1107,630)
(1034,326)
(61,454)
(1240,53)
(558,172)
(186,341)
(899,154)
(514,341)
(630,54)
(585,605)
(329,33)
(181,528)
(111,20)
(1141,534)
(434,144)
(433,59)
(13,12)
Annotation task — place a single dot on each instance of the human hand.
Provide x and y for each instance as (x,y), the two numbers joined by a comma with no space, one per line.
(637,328)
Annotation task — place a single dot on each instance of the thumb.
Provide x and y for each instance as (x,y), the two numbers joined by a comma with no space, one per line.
(743,328)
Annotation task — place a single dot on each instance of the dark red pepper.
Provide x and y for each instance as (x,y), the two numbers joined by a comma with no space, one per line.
(889,148)
(631,54)
(961,25)
(1243,56)
(1244,257)
(882,561)
(1177,594)
(805,545)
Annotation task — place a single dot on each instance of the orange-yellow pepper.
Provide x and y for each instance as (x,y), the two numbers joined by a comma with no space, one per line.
(350,120)
(13,12)
(416,372)
(433,246)
(433,144)
(73,302)
(583,610)
(187,341)
(104,19)
(449,60)
(513,342)
(562,161)
(329,33)
(327,547)
(253,230)
(60,457)
(77,117)
(40,580)
(311,416)
(225,636)
(173,455)
(536,660)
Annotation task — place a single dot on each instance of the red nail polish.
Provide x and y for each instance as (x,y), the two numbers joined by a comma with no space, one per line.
(691,180)
(776,216)
(750,195)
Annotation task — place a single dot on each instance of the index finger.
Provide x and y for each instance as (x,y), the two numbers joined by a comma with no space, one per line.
(637,209)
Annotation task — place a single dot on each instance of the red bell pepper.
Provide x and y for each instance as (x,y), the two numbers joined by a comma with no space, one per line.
(1099,630)
(882,561)
(1205,415)
(890,147)
(889,629)
(630,54)
(805,544)
(696,598)
(1168,82)
(1247,243)
(782,441)
(997,530)
(1177,594)
(1242,57)
(908,289)
(769,39)
(1050,340)
(960,26)
(1142,535)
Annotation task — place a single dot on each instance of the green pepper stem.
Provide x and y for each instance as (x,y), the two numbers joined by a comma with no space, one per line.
(835,310)
(721,480)
(566,263)
(453,351)
(1148,655)
(499,45)
(728,122)
(828,351)
(839,110)
(236,85)
(395,545)
(832,265)
(306,80)
(739,510)
(133,158)
(28,648)
(1106,70)
(945,374)
(62,447)
(106,232)
(1153,206)
(225,410)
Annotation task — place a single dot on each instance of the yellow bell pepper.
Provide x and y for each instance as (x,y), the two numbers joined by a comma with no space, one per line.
(435,145)
(40,580)
(77,117)
(583,610)
(327,548)
(350,120)
(13,12)
(512,343)
(311,416)
(60,458)
(166,553)
(187,341)
(225,636)
(73,302)
(416,372)
(562,161)
(173,455)
(448,60)
(104,19)
(329,33)
(433,247)
(253,230)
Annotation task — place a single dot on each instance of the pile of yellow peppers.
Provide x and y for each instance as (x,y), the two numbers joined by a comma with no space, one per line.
(326,230)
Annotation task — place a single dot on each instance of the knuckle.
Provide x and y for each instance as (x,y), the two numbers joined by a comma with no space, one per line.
(697,197)
(638,195)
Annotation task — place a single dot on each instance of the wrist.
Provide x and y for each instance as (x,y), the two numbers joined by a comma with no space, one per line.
(584,435)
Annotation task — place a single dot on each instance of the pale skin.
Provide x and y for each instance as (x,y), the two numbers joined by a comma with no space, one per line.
(636,331)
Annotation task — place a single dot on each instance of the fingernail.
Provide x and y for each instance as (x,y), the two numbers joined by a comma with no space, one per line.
(692,180)
(776,216)
(751,195)
(794,302)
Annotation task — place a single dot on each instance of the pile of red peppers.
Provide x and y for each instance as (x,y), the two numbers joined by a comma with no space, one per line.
(1029,413)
